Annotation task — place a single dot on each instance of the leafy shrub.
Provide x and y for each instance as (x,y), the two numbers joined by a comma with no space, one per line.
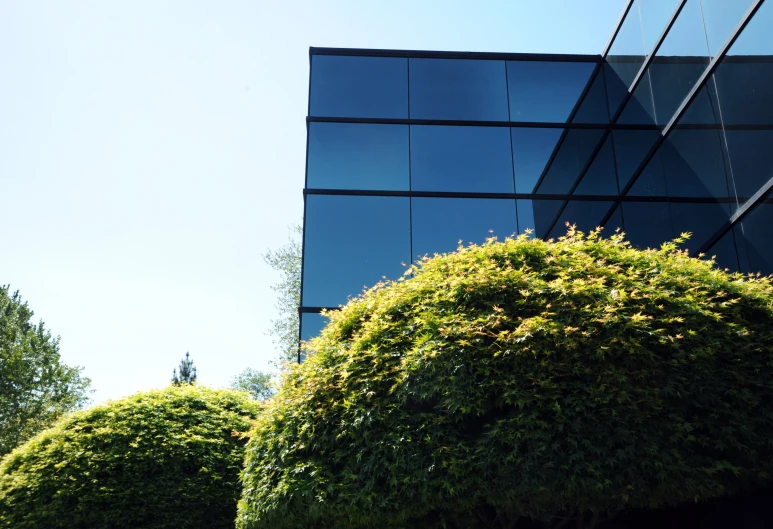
(162,459)
(546,380)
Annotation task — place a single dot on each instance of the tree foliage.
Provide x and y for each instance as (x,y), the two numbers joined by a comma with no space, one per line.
(287,261)
(36,388)
(254,382)
(187,373)
(165,459)
(522,379)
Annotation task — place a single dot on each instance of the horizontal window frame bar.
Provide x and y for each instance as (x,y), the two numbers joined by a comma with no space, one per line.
(520,196)
(533,124)
(433,54)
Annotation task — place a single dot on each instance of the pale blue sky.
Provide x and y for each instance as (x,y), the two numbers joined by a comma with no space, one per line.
(151,151)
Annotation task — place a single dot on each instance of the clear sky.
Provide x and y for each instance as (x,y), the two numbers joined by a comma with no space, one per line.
(151,151)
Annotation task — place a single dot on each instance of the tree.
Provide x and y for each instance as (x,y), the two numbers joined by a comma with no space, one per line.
(164,459)
(287,261)
(187,372)
(36,388)
(254,382)
(522,381)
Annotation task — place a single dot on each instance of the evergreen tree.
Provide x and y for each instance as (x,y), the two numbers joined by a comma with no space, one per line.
(187,372)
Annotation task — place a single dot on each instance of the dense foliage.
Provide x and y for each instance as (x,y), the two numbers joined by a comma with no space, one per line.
(166,459)
(36,388)
(545,380)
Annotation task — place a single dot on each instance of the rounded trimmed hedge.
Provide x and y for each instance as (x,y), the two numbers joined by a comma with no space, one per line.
(167,459)
(545,380)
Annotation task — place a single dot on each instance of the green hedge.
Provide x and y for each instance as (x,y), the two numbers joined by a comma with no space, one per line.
(546,380)
(167,459)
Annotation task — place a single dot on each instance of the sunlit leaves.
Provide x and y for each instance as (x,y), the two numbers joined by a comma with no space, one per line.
(535,379)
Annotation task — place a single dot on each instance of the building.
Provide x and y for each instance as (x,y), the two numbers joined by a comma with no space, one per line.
(668,130)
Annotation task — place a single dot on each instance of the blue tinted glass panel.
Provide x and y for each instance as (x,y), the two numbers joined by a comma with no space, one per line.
(532,149)
(725,253)
(472,159)
(625,57)
(352,242)
(629,41)
(647,224)
(651,181)
(546,91)
(364,87)
(619,73)
(720,18)
(439,224)
(615,222)
(600,178)
(572,155)
(679,61)
(655,15)
(758,234)
(752,160)
(358,156)
(745,75)
(631,146)
(593,107)
(463,89)
(585,215)
(694,164)
(702,220)
(311,325)
(756,38)
(704,108)
(640,107)
(537,215)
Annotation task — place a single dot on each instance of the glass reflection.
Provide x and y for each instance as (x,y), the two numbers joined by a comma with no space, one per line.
(569,160)
(694,164)
(439,224)
(545,91)
(758,232)
(586,215)
(364,87)
(532,149)
(450,158)
(725,253)
(600,178)
(312,324)
(720,17)
(647,224)
(630,147)
(702,220)
(537,215)
(461,89)
(358,156)
(352,242)
(752,163)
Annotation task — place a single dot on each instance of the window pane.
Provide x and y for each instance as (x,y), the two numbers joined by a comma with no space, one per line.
(647,224)
(311,325)
(472,159)
(758,232)
(655,15)
(363,87)
(702,220)
(625,57)
(545,91)
(350,243)
(751,158)
(537,215)
(651,181)
(463,89)
(531,152)
(720,18)
(600,178)
(593,108)
(694,164)
(358,156)
(573,153)
(631,146)
(440,223)
(725,252)
(745,75)
(586,215)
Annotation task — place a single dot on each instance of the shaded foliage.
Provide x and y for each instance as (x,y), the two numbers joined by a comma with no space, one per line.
(545,383)
(165,459)
(36,388)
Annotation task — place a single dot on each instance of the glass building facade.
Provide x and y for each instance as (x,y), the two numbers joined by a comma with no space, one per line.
(668,130)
